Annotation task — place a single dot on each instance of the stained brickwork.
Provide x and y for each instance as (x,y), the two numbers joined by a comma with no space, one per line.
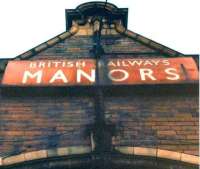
(81,47)
(122,44)
(166,122)
(35,123)
(74,47)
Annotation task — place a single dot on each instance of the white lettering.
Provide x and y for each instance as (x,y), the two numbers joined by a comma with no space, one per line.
(173,73)
(37,75)
(117,79)
(156,62)
(33,65)
(146,73)
(80,64)
(135,62)
(81,73)
(147,62)
(111,63)
(41,65)
(59,75)
(166,62)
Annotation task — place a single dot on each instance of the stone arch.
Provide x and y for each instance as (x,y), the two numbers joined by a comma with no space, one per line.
(87,150)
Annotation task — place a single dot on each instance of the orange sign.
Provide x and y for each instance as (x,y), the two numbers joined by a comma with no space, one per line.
(83,72)
(152,71)
(50,73)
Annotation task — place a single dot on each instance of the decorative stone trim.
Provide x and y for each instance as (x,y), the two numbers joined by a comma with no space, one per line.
(27,54)
(41,47)
(145,151)
(122,30)
(169,155)
(190,159)
(1,161)
(119,28)
(78,150)
(172,52)
(65,35)
(158,153)
(82,31)
(53,41)
(13,159)
(42,154)
(74,29)
(143,39)
(68,151)
(125,150)
(35,155)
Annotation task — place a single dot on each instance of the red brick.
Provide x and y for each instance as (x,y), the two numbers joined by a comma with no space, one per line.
(166,132)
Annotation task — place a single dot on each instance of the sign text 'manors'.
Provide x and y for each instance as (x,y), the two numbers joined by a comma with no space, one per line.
(83,72)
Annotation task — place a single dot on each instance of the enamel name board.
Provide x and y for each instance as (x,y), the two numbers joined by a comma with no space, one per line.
(50,73)
(116,71)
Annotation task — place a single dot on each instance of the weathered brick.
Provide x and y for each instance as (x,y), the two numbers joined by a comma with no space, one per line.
(168,121)
(169,130)
(192,137)
(167,133)
(40,122)
(74,49)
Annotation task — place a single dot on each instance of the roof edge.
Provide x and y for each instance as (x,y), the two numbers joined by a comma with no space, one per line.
(146,41)
(41,47)
(49,43)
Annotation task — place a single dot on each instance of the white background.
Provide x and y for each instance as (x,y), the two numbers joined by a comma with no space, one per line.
(27,23)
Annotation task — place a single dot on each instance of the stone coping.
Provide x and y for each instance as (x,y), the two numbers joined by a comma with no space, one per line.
(159,153)
(74,29)
(42,154)
(78,150)
(122,30)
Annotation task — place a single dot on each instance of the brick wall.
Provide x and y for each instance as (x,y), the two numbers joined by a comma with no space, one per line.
(81,47)
(73,47)
(167,121)
(34,123)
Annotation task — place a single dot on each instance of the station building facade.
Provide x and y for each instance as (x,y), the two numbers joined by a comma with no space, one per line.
(99,96)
